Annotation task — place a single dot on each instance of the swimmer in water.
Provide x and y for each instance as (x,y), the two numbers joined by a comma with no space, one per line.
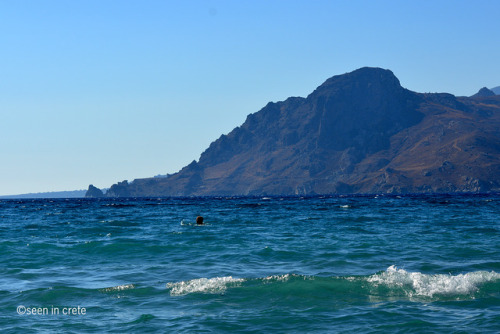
(199,220)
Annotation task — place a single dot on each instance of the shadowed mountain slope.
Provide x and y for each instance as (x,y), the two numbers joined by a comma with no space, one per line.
(360,132)
(484,92)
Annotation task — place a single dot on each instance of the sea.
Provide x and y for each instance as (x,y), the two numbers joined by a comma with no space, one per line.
(323,264)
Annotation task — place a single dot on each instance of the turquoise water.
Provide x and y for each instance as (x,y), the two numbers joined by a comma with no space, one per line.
(371,264)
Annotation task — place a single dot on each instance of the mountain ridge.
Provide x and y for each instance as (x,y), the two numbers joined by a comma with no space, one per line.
(51,194)
(359,132)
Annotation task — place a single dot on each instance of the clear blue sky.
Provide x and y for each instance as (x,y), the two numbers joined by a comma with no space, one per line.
(104,91)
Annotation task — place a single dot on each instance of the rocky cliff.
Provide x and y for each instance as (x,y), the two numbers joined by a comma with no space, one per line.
(94,192)
(360,132)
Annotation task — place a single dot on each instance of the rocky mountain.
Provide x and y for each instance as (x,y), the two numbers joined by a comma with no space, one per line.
(496,90)
(484,92)
(94,192)
(359,132)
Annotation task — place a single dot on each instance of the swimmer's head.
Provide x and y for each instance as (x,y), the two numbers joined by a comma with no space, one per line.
(199,220)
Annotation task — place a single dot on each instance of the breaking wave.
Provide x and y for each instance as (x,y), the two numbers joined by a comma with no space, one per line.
(391,283)
(215,285)
(430,285)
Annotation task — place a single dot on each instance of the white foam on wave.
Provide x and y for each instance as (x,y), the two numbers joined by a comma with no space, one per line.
(286,278)
(430,285)
(119,288)
(279,278)
(205,285)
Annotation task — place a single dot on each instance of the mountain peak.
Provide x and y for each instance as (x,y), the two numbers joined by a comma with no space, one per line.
(367,74)
(361,79)
(484,92)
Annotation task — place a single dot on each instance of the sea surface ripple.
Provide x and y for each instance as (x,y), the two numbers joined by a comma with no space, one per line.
(342,264)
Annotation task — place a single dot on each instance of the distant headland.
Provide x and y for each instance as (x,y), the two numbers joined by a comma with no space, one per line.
(52,194)
(360,132)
